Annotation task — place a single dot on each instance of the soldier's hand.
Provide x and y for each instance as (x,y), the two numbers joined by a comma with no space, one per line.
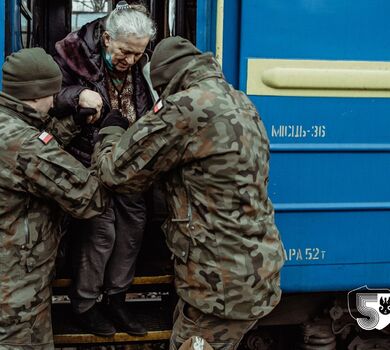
(91,99)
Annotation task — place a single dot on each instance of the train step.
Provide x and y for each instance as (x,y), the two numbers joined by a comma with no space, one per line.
(150,299)
(155,315)
(138,281)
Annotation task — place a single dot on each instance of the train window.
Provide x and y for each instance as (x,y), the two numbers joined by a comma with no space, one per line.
(25,23)
(84,11)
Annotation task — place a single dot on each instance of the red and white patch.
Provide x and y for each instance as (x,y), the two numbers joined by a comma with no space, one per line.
(158,106)
(45,137)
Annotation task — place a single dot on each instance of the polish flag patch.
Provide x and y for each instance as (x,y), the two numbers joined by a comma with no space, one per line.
(158,106)
(45,137)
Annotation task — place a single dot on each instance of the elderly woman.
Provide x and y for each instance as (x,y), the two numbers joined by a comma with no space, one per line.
(103,65)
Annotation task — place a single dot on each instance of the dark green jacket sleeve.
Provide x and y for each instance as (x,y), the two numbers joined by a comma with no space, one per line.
(63,129)
(51,173)
(130,161)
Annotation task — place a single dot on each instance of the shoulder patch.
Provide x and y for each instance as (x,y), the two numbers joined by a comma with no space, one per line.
(158,106)
(45,137)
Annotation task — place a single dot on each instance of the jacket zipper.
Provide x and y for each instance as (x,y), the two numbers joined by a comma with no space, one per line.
(188,219)
(26,228)
(24,248)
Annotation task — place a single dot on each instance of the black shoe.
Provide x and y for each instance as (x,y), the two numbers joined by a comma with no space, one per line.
(93,321)
(119,315)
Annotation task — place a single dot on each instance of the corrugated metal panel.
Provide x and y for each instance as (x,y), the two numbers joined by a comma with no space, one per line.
(330,156)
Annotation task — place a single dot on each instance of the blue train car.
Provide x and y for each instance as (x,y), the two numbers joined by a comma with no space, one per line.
(318,73)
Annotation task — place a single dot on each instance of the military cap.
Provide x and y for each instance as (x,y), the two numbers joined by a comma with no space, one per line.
(31,73)
(170,56)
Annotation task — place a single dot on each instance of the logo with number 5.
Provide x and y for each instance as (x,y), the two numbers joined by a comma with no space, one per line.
(370,307)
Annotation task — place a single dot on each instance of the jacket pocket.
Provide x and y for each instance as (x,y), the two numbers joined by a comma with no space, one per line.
(42,255)
(65,178)
(180,248)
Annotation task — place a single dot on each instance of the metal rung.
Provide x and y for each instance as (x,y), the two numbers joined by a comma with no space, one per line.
(166,279)
(117,338)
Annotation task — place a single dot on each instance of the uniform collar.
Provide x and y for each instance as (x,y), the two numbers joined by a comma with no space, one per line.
(24,111)
(199,68)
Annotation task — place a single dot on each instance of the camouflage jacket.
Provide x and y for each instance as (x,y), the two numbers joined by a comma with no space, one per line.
(207,141)
(37,180)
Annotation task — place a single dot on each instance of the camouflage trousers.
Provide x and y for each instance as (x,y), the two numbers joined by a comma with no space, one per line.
(25,297)
(221,334)
(35,333)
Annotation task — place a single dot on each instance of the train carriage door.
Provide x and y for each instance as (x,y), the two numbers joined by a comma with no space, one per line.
(318,72)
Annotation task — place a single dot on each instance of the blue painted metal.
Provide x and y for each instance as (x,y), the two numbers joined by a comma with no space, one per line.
(206,34)
(321,29)
(206,18)
(330,156)
(231,41)
(2,34)
(13,21)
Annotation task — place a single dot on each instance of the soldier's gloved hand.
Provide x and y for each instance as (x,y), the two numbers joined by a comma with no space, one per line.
(115,118)
(82,114)
(83,157)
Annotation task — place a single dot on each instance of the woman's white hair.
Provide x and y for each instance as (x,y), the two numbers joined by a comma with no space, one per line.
(132,19)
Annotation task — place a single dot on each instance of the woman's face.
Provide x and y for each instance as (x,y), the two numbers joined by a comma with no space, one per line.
(125,51)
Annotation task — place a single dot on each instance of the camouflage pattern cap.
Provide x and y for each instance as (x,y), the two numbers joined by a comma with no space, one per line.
(169,57)
(31,73)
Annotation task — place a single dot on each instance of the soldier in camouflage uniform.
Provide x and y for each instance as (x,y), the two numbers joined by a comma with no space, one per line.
(38,181)
(209,145)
